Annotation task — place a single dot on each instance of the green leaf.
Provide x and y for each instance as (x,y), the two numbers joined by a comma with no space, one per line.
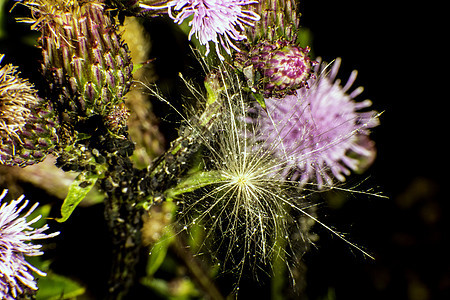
(211,92)
(159,250)
(182,289)
(82,184)
(196,236)
(43,211)
(260,99)
(56,287)
(158,253)
(194,181)
(136,67)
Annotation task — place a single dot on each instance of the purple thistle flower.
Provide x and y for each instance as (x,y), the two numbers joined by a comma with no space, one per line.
(15,234)
(320,131)
(219,21)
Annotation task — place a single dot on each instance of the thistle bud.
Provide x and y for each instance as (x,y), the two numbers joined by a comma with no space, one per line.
(279,19)
(281,67)
(27,122)
(85,61)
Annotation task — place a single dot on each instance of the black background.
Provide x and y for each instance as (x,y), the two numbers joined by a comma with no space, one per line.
(396,47)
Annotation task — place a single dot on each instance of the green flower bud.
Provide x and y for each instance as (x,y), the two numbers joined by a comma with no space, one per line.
(85,61)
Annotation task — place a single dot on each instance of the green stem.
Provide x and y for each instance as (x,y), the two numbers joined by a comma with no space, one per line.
(197,271)
(279,267)
(166,171)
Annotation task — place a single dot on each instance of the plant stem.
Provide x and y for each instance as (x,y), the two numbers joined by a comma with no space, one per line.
(198,273)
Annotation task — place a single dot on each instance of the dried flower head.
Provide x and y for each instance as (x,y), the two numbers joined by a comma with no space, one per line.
(16,234)
(17,96)
(320,131)
(241,200)
(218,21)
(27,123)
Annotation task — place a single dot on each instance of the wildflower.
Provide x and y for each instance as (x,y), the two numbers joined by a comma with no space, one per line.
(15,234)
(213,20)
(27,122)
(320,131)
